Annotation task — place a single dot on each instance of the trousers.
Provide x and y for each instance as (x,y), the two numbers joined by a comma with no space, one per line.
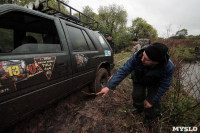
(142,93)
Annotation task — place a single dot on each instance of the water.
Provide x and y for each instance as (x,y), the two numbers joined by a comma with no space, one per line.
(191,79)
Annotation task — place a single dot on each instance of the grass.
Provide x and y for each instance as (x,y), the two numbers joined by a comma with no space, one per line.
(121,58)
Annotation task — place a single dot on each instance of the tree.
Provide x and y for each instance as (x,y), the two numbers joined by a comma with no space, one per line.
(88,11)
(181,34)
(122,39)
(142,29)
(112,18)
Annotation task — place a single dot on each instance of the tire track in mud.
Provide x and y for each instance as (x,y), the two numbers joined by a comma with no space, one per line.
(51,119)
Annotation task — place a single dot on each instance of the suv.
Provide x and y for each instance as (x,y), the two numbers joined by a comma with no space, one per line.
(45,57)
(144,41)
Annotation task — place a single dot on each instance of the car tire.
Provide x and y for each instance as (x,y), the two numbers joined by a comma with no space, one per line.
(100,80)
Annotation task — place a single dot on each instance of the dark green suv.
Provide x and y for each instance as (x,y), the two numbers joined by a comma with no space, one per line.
(44,58)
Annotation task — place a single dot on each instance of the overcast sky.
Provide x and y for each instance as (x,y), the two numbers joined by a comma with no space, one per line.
(161,14)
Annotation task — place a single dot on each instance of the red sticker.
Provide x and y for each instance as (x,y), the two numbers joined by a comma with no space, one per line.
(1,65)
(46,64)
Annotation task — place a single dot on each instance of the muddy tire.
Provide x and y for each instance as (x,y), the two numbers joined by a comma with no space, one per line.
(100,80)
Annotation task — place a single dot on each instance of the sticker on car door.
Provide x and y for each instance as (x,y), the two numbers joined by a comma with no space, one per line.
(46,64)
(12,71)
(107,52)
(81,60)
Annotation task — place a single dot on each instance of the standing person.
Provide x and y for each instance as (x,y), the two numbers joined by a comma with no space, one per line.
(109,39)
(153,72)
(135,41)
(136,45)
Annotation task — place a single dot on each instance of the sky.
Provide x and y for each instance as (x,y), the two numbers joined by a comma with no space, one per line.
(166,16)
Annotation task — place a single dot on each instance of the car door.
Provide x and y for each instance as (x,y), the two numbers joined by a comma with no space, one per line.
(83,52)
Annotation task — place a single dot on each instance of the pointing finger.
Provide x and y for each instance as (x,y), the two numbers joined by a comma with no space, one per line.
(99,93)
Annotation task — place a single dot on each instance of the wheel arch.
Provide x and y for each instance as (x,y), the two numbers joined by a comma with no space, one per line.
(105,65)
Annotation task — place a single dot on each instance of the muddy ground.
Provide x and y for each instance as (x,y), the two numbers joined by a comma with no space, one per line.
(82,113)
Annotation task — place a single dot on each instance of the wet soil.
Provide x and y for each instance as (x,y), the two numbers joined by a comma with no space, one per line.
(84,113)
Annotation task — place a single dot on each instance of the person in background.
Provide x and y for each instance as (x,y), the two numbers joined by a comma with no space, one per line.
(136,45)
(135,41)
(153,72)
(109,39)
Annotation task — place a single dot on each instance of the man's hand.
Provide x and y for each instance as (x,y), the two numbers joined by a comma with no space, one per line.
(104,91)
(147,104)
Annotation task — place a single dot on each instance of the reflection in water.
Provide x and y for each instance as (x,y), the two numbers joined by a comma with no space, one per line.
(191,79)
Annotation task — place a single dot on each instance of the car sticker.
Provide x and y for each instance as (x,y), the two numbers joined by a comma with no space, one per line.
(4,90)
(107,52)
(81,60)
(14,71)
(33,69)
(7,88)
(11,72)
(46,64)
(1,65)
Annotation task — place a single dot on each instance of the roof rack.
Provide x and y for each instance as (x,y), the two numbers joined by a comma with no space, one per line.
(82,19)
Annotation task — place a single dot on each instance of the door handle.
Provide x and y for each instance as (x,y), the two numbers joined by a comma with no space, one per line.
(62,64)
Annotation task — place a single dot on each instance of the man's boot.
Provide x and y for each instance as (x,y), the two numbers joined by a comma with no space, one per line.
(136,111)
(137,108)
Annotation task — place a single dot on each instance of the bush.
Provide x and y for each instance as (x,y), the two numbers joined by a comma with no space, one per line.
(182,53)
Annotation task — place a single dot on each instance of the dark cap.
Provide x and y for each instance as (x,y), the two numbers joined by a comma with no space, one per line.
(107,34)
(135,39)
(157,52)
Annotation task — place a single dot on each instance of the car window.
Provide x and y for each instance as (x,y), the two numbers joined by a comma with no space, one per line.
(6,40)
(77,38)
(90,44)
(27,34)
(102,40)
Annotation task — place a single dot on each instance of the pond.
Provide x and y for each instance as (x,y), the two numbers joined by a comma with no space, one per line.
(191,79)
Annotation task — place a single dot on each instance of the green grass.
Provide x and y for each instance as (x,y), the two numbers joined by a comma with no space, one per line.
(121,58)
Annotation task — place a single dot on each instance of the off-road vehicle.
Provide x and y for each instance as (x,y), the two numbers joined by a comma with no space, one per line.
(46,55)
(144,41)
